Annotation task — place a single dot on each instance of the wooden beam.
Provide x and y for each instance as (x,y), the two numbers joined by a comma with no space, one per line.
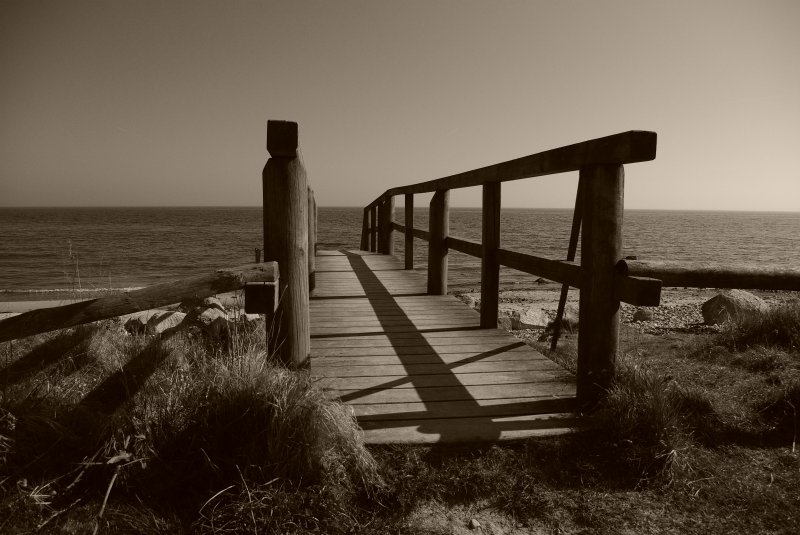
(286,239)
(437,251)
(601,249)
(312,239)
(365,231)
(373,229)
(571,249)
(554,270)
(157,295)
(626,147)
(490,266)
(421,234)
(409,235)
(701,274)
(465,246)
(385,226)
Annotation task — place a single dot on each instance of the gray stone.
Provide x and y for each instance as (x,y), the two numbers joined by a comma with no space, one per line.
(532,318)
(211,320)
(474,524)
(733,305)
(164,320)
(136,323)
(202,303)
(643,314)
(505,321)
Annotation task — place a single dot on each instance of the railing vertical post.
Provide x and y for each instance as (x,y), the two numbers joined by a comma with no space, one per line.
(409,235)
(439,226)
(386,219)
(490,268)
(373,228)
(601,248)
(312,239)
(365,231)
(286,239)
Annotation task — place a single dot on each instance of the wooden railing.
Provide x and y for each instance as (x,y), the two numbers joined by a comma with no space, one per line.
(603,278)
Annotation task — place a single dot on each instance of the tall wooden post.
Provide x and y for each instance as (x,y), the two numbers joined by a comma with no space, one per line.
(365,231)
(409,235)
(373,228)
(490,267)
(439,227)
(286,239)
(386,217)
(601,248)
(312,239)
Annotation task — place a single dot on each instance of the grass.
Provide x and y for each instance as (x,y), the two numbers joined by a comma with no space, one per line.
(187,434)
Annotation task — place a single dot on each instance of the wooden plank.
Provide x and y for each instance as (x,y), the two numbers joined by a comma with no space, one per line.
(441,352)
(446,379)
(402,370)
(553,389)
(157,295)
(345,359)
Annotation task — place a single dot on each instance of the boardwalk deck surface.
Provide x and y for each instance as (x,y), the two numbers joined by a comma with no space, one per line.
(417,368)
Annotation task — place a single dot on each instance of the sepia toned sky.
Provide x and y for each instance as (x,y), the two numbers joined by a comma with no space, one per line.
(165,103)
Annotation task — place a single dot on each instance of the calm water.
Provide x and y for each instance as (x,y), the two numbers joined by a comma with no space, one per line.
(91,248)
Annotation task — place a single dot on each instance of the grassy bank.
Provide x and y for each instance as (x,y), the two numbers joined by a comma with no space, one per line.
(181,433)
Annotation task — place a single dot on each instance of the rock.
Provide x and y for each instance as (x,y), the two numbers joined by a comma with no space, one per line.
(569,321)
(631,257)
(643,314)
(211,320)
(505,321)
(733,305)
(474,524)
(136,323)
(164,320)
(532,318)
(196,302)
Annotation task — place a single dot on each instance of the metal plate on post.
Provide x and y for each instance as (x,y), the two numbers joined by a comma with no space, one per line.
(260,297)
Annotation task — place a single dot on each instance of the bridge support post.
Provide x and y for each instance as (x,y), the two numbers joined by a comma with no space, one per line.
(386,220)
(490,267)
(365,231)
(373,229)
(312,239)
(286,240)
(439,227)
(409,234)
(601,249)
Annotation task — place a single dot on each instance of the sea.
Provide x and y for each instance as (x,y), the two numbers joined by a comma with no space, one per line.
(49,251)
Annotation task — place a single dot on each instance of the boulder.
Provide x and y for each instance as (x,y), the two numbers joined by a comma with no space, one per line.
(197,302)
(643,314)
(164,320)
(136,323)
(211,320)
(734,305)
(569,321)
(532,318)
(505,321)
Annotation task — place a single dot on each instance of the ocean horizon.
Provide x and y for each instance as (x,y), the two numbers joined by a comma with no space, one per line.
(85,249)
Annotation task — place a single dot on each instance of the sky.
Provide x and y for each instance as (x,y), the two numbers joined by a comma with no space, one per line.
(165,103)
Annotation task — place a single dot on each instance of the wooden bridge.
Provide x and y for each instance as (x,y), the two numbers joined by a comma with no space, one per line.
(414,364)
(418,368)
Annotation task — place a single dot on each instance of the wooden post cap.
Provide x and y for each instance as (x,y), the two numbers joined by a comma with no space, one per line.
(282,139)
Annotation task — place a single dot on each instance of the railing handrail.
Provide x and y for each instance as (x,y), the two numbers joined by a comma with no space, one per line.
(626,147)
(157,295)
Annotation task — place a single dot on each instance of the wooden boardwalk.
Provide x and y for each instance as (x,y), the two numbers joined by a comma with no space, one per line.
(417,368)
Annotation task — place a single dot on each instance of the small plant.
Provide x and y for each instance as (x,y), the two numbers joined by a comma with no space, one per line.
(779,328)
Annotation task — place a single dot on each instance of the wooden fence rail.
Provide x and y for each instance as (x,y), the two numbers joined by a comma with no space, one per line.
(603,278)
(157,295)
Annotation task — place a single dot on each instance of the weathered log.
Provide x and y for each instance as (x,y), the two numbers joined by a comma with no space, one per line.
(465,246)
(157,295)
(286,239)
(701,274)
